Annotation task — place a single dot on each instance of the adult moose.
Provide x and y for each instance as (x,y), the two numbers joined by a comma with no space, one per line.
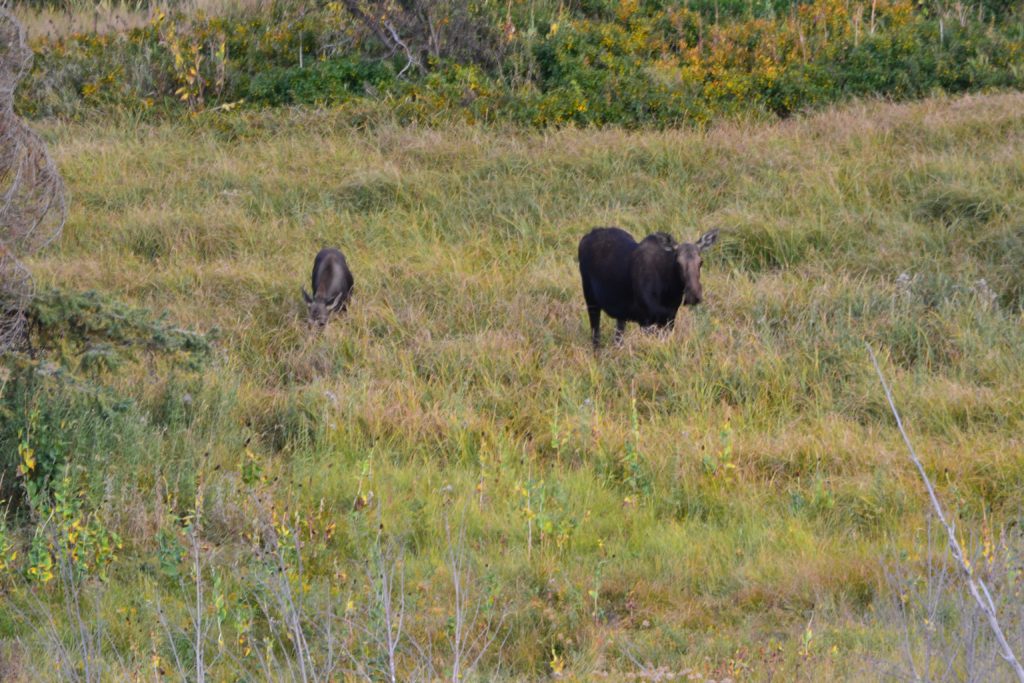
(332,286)
(643,282)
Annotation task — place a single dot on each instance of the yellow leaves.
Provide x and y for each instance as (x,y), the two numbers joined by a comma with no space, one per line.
(557,664)
(73,532)
(187,62)
(807,639)
(28,460)
(43,572)
(627,8)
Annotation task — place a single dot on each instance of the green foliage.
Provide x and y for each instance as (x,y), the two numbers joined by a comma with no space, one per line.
(74,533)
(66,526)
(688,498)
(593,63)
(56,411)
(327,82)
(42,450)
(93,333)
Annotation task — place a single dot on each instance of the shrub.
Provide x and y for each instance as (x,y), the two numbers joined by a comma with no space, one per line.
(333,81)
(55,411)
(592,63)
(91,332)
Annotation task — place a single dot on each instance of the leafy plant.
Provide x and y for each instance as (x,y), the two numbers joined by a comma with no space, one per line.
(93,333)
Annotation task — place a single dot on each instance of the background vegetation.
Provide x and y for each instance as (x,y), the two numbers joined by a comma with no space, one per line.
(447,483)
(532,62)
(721,500)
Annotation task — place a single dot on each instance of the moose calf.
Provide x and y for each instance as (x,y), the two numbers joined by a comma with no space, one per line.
(332,286)
(641,282)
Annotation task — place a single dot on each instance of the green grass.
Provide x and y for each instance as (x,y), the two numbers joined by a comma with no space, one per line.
(763,483)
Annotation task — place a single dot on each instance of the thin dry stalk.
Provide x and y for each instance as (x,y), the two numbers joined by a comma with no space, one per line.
(468,648)
(393,614)
(979,591)
(288,605)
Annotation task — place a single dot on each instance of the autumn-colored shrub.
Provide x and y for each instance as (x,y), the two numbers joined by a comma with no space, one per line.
(595,63)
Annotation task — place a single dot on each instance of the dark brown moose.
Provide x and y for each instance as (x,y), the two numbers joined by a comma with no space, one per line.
(332,286)
(641,282)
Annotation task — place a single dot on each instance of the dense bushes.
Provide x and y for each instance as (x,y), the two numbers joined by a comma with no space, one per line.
(596,63)
(56,408)
(322,82)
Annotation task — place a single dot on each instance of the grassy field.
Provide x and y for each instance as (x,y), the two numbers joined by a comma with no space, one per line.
(721,500)
(58,20)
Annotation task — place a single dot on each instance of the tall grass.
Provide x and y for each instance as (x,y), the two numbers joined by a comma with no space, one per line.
(717,499)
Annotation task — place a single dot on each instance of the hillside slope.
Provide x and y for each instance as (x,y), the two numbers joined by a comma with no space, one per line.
(722,499)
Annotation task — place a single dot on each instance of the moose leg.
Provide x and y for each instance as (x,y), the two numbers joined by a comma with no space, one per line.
(620,328)
(594,312)
(595,325)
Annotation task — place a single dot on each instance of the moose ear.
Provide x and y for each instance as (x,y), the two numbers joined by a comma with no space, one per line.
(707,239)
(306,297)
(333,304)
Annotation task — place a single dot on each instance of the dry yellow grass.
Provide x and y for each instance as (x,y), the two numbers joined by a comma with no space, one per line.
(755,483)
(110,16)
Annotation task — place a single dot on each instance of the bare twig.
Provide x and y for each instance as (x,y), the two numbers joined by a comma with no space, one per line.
(385,32)
(393,619)
(197,559)
(979,591)
(467,650)
(180,667)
